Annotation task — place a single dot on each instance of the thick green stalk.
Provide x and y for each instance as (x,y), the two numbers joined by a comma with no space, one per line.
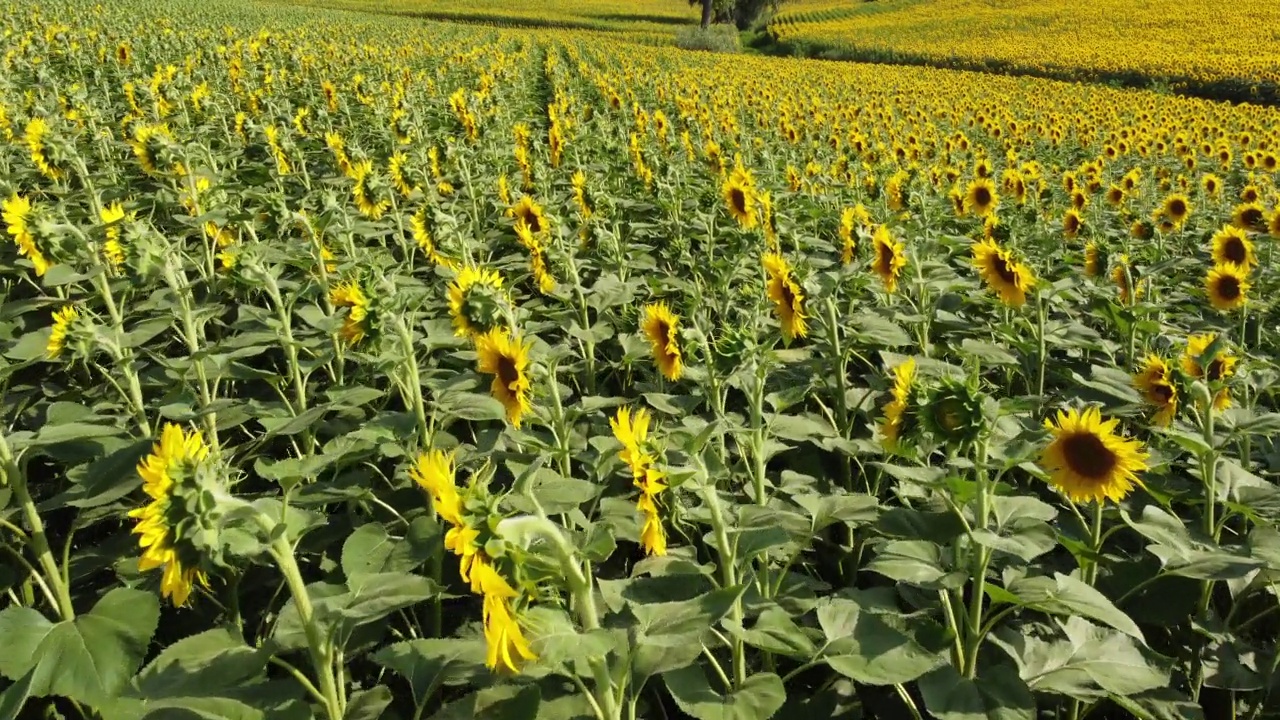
(317,642)
(39,540)
(975,634)
(584,602)
(191,336)
(728,570)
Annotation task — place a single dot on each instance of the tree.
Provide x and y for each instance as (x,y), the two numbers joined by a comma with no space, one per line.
(743,13)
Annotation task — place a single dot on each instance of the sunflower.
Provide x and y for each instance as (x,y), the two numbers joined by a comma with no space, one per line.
(1232,245)
(1155,383)
(740,196)
(895,412)
(1094,260)
(1249,216)
(422,236)
(16,212)
(507,647)
(581,197)
(528,211)
(399,179)
(980,197)
(1227,284)
(1177,208)
(1088,460)
(171,463)
(1006,277)
(34,134)
(371,203)
(62,320)
(350,295)
(1211,185)
(434,472)
(787,297)
(1221,367)
(1273,225)
(848,236)
(475,301)
(662,327)
(1124,275)
(633,432)
(112,250)
(1072,223)
(507,359)
(890,258)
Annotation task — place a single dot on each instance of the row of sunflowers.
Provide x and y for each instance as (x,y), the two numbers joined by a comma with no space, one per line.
(367,367)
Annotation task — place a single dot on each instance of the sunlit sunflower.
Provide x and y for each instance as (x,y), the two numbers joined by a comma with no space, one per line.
(1072,223)
(1227,285)
(980,197)
(112,249)
(848,235)
(1273,225)
(506,358)
(1005,276)
(890,257)
(16,213)
(1116,196)
(1221,367)
(581,196)
(371,203)
(1211,185)
(433,471)
(528,211)
(1088,460)
(740,196)
(787,297)
(1125,277)
(62,320)
(662,327)
(1177,208)
(172,462)
(1232,245)
(895,412)
(1249,216)
(348,294)
(476,301)
(633,432)
(507,647)
(1095,261)
(1156,385)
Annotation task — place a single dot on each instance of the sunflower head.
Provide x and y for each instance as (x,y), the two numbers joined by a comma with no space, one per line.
(954,413)
(787,295)
(1126,279)
(901,412)
(1095,260)
(1156,383)
(349,297)
(506,358)
(1208,358)
(1227,286)
(1232,245)
(1072,223)
(1177,208)
(889,259)
(662,328)
(179,528)
(1005,276)
(477,301)
(1249,216)
(1088,460)
(980,198)
(740,196)
(63,327)
(528,211)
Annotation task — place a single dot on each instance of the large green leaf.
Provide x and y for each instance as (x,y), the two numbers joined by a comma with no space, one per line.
(431,662)
(879,648)
(1087,662)
(997,694)
(756,699)
(201,665)
(915,562)
(1069,596)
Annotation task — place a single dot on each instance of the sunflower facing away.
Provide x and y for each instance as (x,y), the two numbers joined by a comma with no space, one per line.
(1094,260)
(740,196)
(662,327)
(171,463)
(16,213)
(62,320)
(1232,245)
(1156,385)
(349,295)
(1005,276)
(904,376)
(980,197)
(1227,285)
(1088,460)
(787,297)
(507,647)
(1221,367)
(506,358)
(475,301)
(890,258)
(633,433)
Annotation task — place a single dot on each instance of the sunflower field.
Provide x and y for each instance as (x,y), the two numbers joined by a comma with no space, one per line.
(359,366)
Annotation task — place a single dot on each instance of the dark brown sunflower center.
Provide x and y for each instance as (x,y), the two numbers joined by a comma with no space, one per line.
(1004,270)
(1233,250)
(1229,288)
(1161,392)
(1216,370)
(884,259)
(788,295)
(531,219)
(1251,217)
(508,373)
(738,200)
(1088,456)
(982,196)
(1177,208)
(1072,223)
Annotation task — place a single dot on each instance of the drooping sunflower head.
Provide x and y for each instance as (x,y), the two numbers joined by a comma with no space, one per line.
(21,221)
(349,295)
(1142,229)
(434,472)
(901,410)
(980,198)
(662,328)
(1126,279)
(528,211)
(1006,277)
(1200,365)
(1227,286)
(1155,382)
(1088,460)
(1177,208)
(63,319)
(581,196)
(477,301)
(787,296)
(151,145)
(1232,245)
(740,196)
(172,521)
(507,648)
(506,358)
(632,430)
(890,257)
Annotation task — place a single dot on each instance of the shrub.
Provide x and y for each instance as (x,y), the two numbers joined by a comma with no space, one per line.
(716,38)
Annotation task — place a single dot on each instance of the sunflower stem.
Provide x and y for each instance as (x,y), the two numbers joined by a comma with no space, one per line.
(1095,544)
(728,567)
(282,552)
(1042,352)
(415,381)
(1208,472)
(191,337)
(975,635)
(39,540)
